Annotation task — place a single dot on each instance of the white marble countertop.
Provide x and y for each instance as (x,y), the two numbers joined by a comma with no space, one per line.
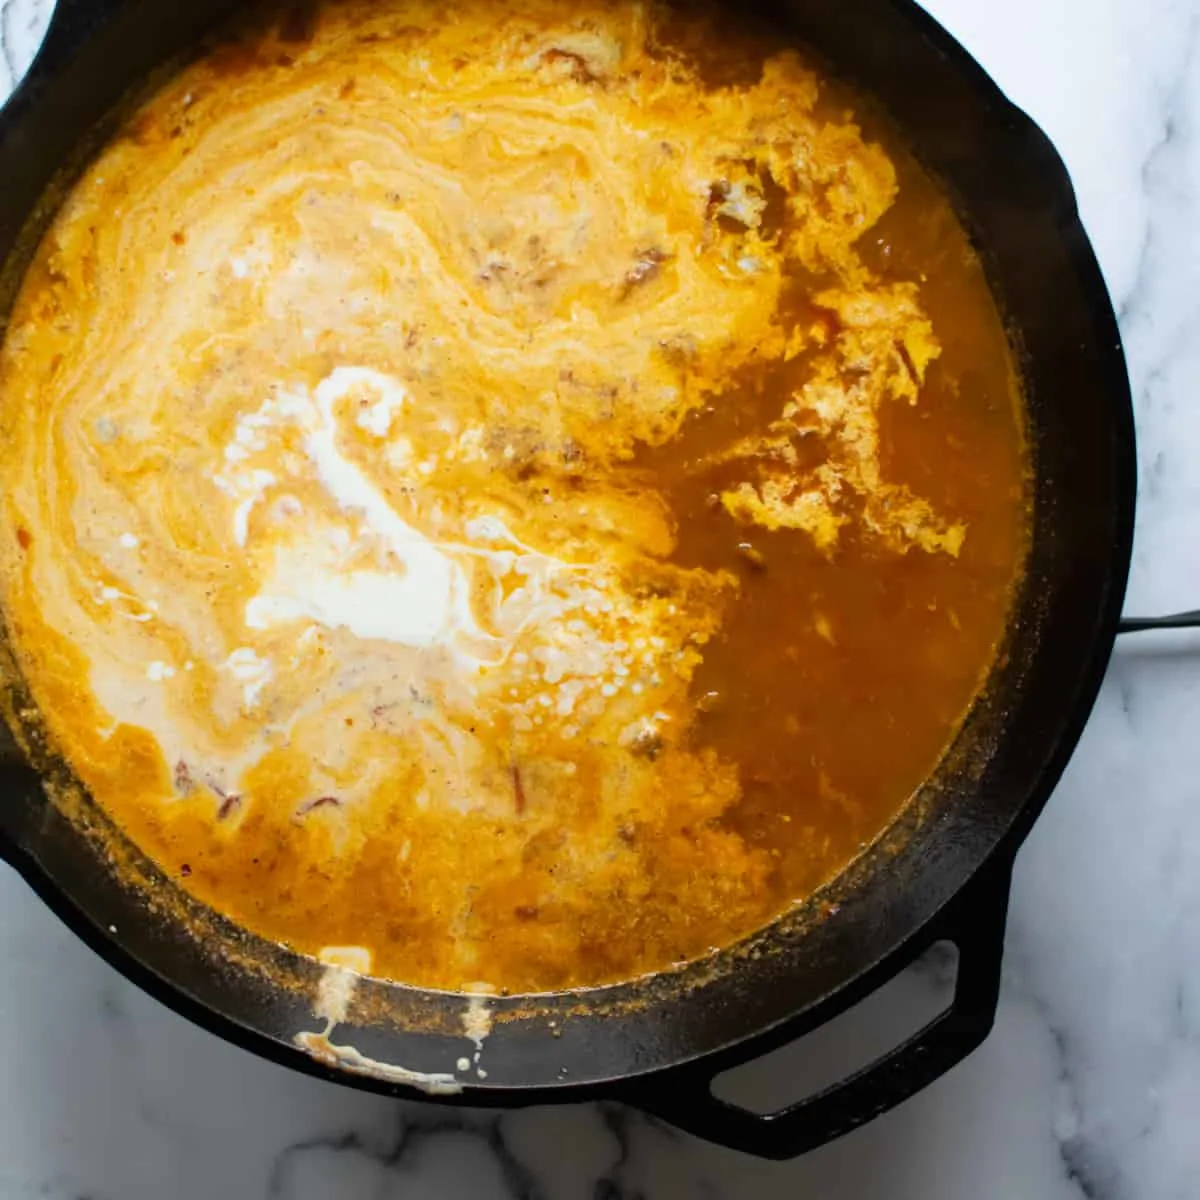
(1090,1083)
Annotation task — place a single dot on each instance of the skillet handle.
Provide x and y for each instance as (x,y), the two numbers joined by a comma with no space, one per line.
(1187,620)
(974,921)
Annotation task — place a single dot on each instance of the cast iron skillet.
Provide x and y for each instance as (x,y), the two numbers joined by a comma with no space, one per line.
(944,871)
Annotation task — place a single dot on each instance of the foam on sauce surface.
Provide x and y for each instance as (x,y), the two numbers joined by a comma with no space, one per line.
(485,489)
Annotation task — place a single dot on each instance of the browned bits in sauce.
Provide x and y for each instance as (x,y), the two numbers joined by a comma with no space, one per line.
(752,556)
(646,268)
(228,806)
(182,778)
(319,802)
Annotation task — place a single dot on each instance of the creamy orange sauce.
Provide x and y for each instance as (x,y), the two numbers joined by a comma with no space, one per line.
(477,483)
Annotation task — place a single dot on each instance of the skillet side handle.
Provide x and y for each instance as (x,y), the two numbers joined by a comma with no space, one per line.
(974,921)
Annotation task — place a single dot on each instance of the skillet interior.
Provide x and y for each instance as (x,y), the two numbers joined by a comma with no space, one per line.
(1014,197)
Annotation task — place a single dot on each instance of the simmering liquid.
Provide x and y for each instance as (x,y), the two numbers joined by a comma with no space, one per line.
(528,490)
